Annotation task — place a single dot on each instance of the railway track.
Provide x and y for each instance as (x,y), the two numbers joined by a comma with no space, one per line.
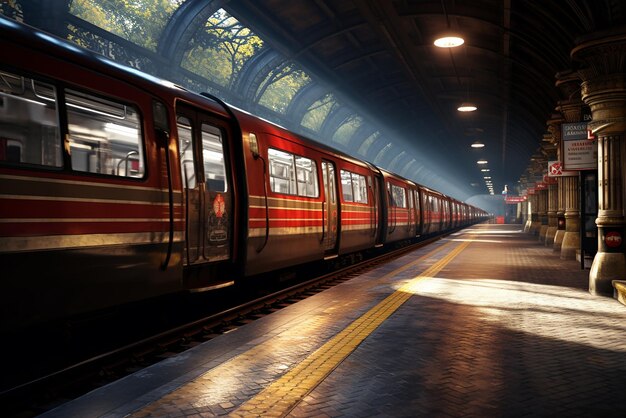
(46,392)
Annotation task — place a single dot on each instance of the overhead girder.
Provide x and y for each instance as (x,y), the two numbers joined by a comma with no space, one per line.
(254,72)
(334,120)
(396,164)
(362,133)
(182,26)
(304,99)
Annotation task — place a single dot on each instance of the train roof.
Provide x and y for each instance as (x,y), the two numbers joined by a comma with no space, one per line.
(33,38)
(20,33)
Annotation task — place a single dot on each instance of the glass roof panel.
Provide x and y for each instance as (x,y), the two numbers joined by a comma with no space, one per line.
(365,146)
(343,134)
(138,21)
(219,51)
(381,153)
(281,85)
(317,113)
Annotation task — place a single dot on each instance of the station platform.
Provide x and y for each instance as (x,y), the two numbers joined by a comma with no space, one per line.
(483,323)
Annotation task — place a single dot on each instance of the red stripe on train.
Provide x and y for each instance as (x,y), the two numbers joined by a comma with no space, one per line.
(18,208)
(24,229)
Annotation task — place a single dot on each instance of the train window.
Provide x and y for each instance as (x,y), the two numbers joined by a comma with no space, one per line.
(306,175)
(105,136)
(292,174)
(282,173)
(398,195)
(346,186)
(29,128)
(354,187)
(185,150)
(213,157)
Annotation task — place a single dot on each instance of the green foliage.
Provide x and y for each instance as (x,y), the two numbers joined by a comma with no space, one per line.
(317,113)
(281,85)
(220,50)
(138,21)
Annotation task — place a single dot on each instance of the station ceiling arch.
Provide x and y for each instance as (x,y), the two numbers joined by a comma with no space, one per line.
(365,76)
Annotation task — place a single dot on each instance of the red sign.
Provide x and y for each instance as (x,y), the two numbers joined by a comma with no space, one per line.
(613,239)
(555,169)
(540,185)
(514,199)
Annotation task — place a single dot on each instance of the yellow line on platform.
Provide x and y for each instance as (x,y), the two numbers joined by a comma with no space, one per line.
(284,394)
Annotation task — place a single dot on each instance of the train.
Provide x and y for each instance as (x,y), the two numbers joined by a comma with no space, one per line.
(117,186)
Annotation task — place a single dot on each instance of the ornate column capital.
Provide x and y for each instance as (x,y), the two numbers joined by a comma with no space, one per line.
(602,60)
(600,54)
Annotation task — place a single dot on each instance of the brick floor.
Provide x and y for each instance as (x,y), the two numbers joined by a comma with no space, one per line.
(505,329)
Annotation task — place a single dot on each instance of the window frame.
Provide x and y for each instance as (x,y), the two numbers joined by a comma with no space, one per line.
(293,170)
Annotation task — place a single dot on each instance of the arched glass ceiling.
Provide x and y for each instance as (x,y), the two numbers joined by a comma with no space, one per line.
(205,48)
(317,113)
(346,130)
(381,154)
(220,49)
(393,165)
(281,85)
(365,146)
(140,21)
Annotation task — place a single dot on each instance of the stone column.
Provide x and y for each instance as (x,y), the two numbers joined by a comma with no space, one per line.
(571,110)
(542,202)
(603,59)
(554,127)
(535,222)
(571,239)
(552,220)
(560,215)
(523,210)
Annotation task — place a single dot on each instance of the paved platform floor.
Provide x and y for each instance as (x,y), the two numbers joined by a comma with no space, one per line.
(484,323)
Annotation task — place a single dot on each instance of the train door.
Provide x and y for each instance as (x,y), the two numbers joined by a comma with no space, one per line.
(418,214)
(331,221)
(377,192)
(208,197)
(411,224)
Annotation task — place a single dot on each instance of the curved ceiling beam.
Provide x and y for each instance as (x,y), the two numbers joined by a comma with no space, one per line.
(183,24)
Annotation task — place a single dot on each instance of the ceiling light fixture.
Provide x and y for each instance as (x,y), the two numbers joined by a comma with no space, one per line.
(449,42)
(482,162)
(485,170)
(478,144)
(467,107)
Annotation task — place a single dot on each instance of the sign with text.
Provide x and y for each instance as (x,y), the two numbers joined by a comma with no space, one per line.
(555,169)
(579,153)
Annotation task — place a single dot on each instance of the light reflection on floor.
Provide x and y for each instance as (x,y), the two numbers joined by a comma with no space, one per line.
(556,312)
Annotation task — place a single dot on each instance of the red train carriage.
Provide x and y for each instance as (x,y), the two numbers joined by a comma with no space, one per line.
(116,187)
(306,202)
(93,212)
(402,217)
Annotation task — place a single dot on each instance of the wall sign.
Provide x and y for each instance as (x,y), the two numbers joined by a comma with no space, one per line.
(579,152)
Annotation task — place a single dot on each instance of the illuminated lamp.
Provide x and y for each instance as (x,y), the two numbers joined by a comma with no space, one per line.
(482,162)
(478,144)
(449,42)
(466,107)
